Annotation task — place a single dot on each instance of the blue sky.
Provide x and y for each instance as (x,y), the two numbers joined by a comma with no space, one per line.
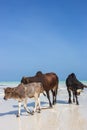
(45,35)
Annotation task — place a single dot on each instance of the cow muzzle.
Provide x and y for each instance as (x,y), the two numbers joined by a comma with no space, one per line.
(79,91)
(5,98)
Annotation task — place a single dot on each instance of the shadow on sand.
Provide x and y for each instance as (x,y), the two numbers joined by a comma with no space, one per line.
(32,105)
(22,110)
(8,113)
(61,102)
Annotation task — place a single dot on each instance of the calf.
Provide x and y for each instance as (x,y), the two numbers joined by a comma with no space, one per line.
(74,85)
(23,92)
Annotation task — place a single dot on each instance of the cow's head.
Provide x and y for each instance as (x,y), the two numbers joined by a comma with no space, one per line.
(8,93)
(79,91)
(25,80)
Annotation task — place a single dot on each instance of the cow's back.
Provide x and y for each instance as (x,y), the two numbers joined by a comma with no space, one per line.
(49,80)
(32,88)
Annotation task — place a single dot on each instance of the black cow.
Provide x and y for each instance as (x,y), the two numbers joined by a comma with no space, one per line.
(74,85)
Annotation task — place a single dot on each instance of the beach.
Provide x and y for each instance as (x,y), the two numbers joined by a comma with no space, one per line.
(62,116)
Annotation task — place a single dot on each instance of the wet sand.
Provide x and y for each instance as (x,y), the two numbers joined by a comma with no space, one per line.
(61,117)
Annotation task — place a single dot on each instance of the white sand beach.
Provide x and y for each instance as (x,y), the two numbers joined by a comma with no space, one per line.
(61,117)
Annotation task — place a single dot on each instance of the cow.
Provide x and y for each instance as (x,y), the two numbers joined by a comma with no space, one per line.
(74,85)
(50,82)
(24,91)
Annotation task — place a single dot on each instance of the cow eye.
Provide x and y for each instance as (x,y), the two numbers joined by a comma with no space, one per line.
(8,92)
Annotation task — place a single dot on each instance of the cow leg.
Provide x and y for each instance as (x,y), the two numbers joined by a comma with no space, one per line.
(35,106)
(56,93)
(69,92)
(19,105)
(54,96)
(48,96)
(37,103)
(39,108)
(73,96)
(76,98)
(25,107)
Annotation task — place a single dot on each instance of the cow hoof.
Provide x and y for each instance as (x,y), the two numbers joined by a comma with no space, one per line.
(77,103)
(32,113)
(17,115)
(53,103)
(38,111)
(70,102)
(50,107)
(74,100)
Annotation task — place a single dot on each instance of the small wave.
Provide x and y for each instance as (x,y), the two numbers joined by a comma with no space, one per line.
(1,95)
(1,92)
(2,85)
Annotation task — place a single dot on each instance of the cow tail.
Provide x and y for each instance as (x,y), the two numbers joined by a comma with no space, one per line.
(42,90)
(85,86)
(57,85)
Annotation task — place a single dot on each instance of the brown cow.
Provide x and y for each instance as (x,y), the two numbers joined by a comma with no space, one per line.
(49,80)
(22,92)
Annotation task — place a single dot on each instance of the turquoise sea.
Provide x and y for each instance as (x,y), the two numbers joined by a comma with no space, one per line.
(15,83)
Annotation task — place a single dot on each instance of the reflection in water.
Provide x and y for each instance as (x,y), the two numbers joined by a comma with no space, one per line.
(71,119)
(66,117)
(19,124)
(39,121)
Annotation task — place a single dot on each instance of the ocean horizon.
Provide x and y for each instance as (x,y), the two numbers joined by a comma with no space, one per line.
(4,84)
(14,83)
